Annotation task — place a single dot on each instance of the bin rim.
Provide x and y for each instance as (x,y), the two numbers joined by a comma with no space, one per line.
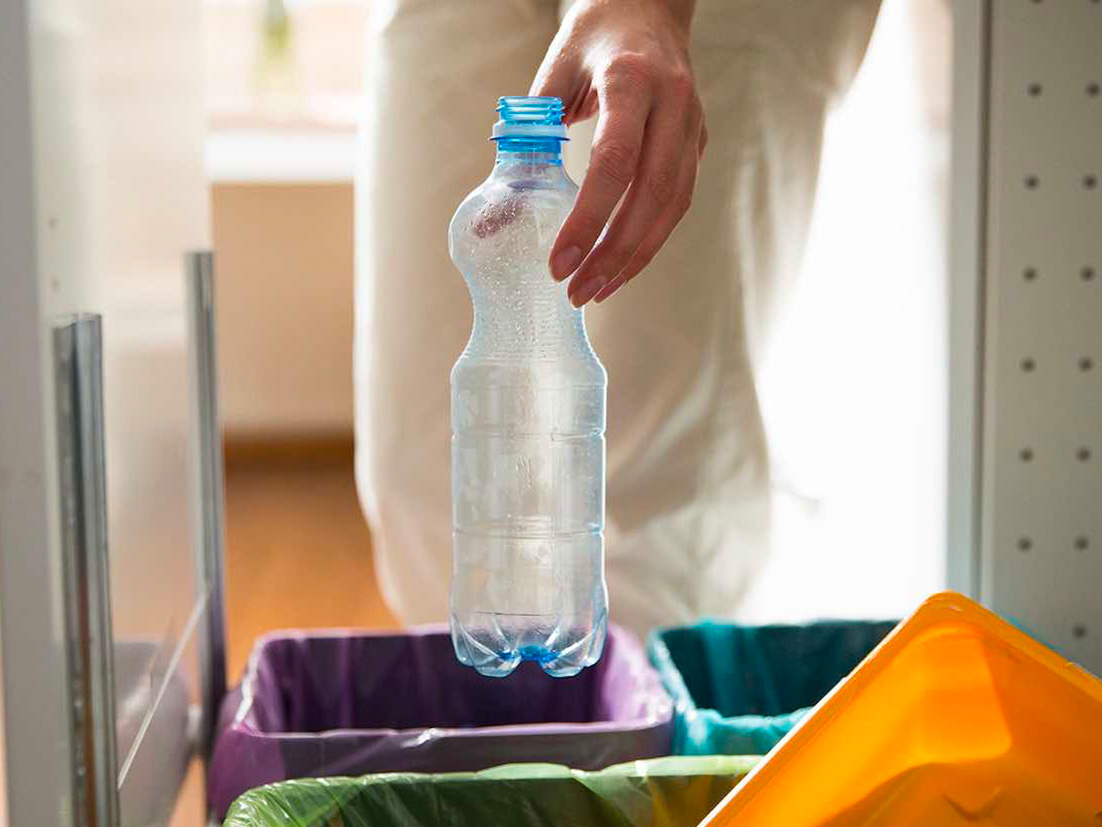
(662,709)
(659,653)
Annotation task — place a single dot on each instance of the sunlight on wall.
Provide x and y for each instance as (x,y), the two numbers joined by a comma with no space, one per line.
(854,387)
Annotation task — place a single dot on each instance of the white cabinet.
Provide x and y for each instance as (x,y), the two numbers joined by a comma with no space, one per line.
(1026,297)
(102,193)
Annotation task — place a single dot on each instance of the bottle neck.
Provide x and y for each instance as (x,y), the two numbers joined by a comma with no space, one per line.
(528,151)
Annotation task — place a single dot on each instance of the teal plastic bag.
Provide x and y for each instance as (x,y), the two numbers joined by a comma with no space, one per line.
(661,792)
(738,689)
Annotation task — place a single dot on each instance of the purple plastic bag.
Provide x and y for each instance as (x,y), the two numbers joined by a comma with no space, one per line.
(348,703)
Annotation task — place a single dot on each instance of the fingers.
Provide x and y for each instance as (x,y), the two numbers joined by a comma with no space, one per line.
(560,76)
(658,199)
(657,185)
(657,235)
(625,104)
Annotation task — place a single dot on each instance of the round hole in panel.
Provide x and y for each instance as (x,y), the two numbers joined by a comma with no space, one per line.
(1031,182)
(1086,363)
(1034,89)
(1087,273)
(1029,273)
(1024,544)
(1079,631)
(1028,365)
(1083,454)
(1025,454)
(1093,89)
(1090,181)
(1082,542)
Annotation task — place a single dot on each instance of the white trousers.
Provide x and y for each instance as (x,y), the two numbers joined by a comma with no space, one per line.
(687,521)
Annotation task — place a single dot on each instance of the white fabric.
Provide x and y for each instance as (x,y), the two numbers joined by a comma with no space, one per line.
(687,521)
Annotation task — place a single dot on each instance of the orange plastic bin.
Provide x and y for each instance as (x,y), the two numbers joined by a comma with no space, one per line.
(956,719)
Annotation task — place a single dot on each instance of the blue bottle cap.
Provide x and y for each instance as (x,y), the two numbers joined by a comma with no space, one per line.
(529,117)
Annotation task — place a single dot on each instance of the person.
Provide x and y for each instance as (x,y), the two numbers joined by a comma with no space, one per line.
(719,104)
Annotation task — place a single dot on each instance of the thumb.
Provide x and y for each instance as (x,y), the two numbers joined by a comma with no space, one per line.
(560,76)
(552,78)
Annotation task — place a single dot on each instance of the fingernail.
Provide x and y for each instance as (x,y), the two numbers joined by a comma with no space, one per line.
(565,262)
(588,290)
(605,293)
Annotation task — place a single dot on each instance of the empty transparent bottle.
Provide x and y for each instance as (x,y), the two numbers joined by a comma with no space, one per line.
(528,420)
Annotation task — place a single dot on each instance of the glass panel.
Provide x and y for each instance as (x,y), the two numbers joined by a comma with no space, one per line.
(121,197)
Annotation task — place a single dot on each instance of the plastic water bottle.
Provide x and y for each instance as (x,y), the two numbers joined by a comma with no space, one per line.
(528,420)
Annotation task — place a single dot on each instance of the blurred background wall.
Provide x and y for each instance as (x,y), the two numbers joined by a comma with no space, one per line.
(284,309)
(283,96)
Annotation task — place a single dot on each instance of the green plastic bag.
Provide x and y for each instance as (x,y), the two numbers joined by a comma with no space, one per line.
(661,792)
(738,690)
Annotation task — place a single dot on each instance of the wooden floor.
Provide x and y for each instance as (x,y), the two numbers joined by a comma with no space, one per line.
(298,552)
(298,555)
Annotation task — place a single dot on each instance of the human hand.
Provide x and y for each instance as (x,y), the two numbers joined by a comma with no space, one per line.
(627,61)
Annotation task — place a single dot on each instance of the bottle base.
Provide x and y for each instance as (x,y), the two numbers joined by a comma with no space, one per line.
(491,651)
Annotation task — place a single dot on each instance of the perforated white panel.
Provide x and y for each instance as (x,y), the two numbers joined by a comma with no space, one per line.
(1040,493)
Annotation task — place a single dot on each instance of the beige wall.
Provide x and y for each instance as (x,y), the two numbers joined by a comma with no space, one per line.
(315,82)
(284,308)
